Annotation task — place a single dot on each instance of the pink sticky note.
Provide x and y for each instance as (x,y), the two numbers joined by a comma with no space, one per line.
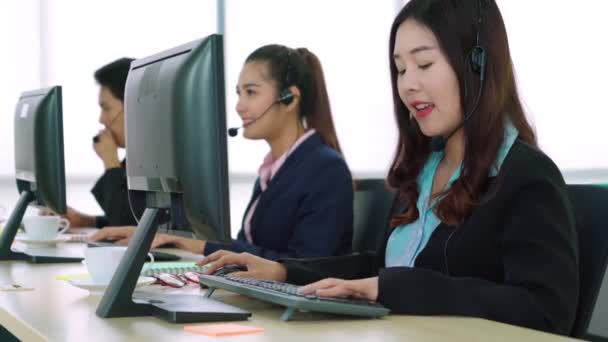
(224,329)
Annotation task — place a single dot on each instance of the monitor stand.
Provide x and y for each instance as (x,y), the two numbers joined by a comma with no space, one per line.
(46,255)
(119,300)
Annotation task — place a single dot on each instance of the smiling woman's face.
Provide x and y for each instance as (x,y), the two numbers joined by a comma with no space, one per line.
(427,83)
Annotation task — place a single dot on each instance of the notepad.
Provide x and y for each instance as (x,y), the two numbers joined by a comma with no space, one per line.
(176,268)
(72,276)
(226,329)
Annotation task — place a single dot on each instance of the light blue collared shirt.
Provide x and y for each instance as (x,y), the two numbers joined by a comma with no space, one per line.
(407,241)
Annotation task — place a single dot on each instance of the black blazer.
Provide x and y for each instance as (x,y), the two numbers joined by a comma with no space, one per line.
(306,211)
(514,260)
(112,195)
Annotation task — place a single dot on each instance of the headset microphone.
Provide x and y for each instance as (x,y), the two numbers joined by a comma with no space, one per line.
(97,137)
(233,131)
(438,143)
(285,98)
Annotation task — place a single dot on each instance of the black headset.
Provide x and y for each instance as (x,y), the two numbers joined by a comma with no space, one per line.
(478,64)
(477,59)
(478,53)
(286,95)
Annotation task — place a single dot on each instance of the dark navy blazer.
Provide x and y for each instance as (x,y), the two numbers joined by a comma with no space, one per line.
(306,211)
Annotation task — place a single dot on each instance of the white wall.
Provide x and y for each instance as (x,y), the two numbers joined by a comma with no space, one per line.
(561,59)
(19,67)
(81,36)
(353,50)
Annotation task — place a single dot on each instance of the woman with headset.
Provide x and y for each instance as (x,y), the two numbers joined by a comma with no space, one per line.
(302,202)
(481,225)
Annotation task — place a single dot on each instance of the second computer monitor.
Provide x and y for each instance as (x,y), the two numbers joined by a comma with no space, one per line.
(176,134)
(39,168)
(39,164)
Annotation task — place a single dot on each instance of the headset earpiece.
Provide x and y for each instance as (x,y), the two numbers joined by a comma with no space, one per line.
(478,61)
(478,54)
(286,96)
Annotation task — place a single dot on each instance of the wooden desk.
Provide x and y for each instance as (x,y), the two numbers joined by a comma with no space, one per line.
(57,311)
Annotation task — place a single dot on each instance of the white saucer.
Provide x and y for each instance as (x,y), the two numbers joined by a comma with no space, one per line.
(28,240)
(95,288)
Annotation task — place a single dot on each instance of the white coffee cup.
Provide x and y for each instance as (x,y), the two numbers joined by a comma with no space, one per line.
(45,227)
(102,262)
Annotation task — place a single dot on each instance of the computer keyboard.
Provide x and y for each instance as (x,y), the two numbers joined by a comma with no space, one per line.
(77,238)
(287,295)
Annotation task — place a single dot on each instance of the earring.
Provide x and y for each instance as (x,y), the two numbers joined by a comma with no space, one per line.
(411,116)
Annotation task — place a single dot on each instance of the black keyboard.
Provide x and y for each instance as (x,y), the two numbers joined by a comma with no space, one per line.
(288,296)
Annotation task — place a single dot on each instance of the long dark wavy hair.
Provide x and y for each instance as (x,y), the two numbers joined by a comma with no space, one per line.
(301,68)
(454,24)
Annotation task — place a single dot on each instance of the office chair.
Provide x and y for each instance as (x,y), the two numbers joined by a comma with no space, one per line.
(590,205)
(373,202)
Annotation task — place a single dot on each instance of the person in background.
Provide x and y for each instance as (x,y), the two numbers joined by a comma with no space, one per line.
(110,190)
(302,202)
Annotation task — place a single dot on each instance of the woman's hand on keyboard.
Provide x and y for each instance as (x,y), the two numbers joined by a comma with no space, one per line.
(258,268)
(191,245)
(122,235)
(366,288)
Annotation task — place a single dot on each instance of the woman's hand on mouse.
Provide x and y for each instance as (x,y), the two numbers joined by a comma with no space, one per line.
(258,268)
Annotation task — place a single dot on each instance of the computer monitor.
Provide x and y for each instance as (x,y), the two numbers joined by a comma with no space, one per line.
(39,165)
(176,150)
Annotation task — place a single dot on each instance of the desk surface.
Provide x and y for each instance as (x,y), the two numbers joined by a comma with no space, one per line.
(57,311)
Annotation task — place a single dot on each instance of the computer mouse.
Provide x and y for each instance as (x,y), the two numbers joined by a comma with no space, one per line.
(222,271)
